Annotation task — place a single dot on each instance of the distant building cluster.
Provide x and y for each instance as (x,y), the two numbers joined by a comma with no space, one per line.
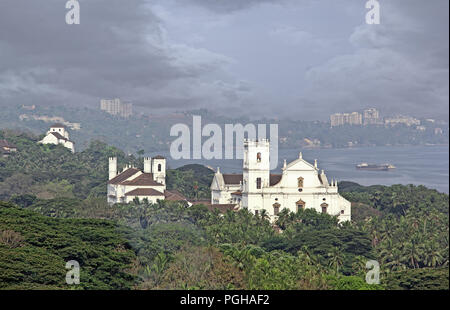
(116,107)
(405,120)
(29,107)
(340,119)
(372,117)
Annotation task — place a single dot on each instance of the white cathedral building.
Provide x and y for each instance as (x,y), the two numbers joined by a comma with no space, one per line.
(58,134)
(300,185)
(132,183)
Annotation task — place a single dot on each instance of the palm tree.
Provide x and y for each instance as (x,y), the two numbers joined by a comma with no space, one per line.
(433,256)
(359,265)
(411,254)
(264,214)
(336,258)
(395,263)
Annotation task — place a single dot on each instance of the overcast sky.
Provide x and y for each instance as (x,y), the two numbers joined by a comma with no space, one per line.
(299,58)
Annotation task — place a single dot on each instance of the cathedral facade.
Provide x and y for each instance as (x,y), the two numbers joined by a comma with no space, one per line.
(300,185)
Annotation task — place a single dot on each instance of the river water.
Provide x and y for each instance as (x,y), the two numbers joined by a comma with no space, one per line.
(419,165)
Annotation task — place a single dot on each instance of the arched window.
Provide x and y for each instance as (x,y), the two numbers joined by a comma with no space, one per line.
(300,205)
(159,167)
(258,157)
(300,182)
(324,207)
(276,208)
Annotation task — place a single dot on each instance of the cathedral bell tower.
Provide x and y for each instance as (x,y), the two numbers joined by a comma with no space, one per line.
(256,172)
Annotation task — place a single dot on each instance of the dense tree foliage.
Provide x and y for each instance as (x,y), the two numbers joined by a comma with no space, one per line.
(34,250)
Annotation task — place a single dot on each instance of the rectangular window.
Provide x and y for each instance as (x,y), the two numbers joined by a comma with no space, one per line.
(258,183)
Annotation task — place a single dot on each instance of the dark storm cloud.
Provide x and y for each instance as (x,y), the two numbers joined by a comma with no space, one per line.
(118,50)
(227,6)
(303,59)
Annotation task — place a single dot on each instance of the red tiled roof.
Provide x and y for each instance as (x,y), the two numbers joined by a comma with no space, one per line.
(223,208)
(174,196)
(123,176)
(233,178)
(144,192)
(145,179)
(200,202)
(58,135)
(6,144)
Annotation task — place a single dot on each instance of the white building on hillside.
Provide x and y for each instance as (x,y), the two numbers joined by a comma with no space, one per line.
(58,134)
(132,183)
(300,185)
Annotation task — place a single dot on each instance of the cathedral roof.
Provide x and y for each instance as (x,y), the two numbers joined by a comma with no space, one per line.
(144,192)
(233,178)
(159,157)
(275,179)
(236,179)
(145,179)
(123,176)
(223,208)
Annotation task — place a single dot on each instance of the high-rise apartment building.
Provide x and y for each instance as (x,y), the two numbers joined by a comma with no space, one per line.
(340,119)
(116,107)
(371,117)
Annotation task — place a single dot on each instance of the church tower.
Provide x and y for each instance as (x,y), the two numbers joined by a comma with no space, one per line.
(112,167)
(159,169)
(256,173)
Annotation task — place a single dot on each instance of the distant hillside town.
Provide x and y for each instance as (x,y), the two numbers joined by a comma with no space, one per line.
(372,117)
(356,129)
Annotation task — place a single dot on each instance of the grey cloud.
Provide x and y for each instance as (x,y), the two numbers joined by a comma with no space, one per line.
(399,66)
(303,59)
(118,50)
(227,6)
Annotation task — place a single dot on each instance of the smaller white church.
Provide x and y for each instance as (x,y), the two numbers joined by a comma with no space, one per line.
(300,185)
(132,183)
(58,134)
